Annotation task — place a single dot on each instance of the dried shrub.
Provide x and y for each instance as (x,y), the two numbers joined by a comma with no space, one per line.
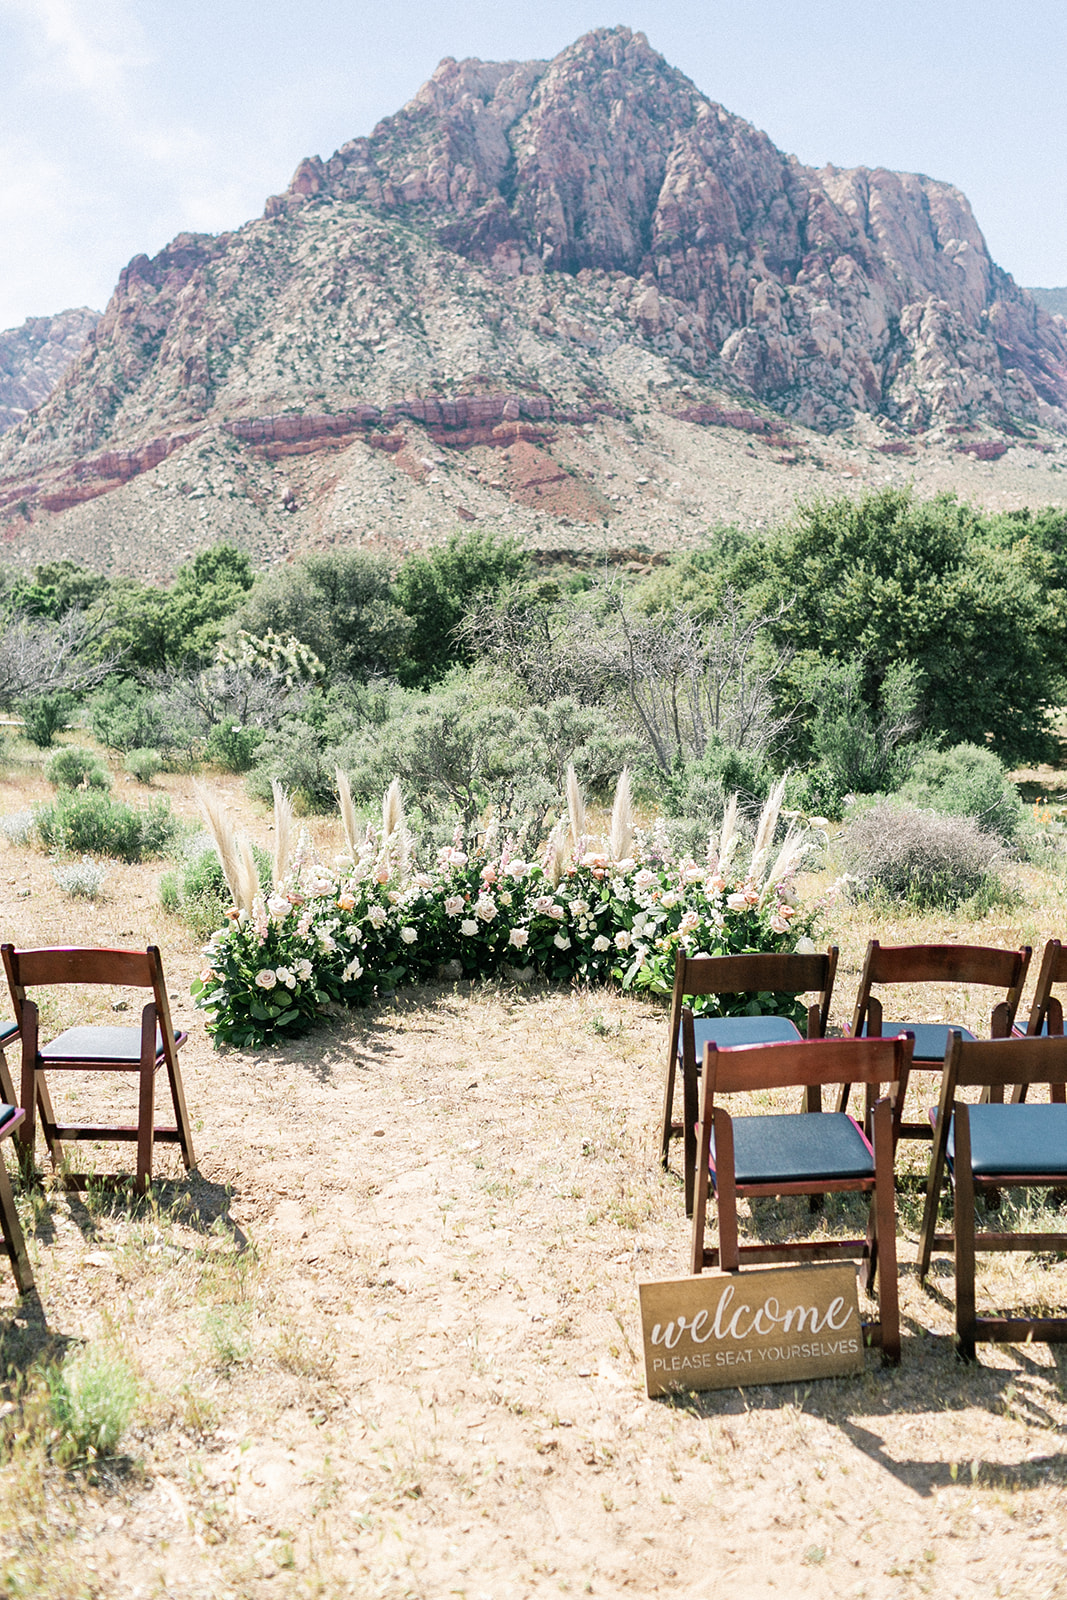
(82,879)
(922,859)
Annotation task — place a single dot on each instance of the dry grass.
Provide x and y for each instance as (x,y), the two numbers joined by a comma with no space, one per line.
(386,1337)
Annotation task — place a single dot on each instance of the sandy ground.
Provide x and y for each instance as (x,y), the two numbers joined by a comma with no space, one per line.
(387,1341)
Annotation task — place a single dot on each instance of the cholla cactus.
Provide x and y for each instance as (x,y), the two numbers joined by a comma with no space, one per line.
(280,653)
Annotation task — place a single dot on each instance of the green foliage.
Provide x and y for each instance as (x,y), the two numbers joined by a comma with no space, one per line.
(125,717)
(897,853)
(890,579)
(143,764)
(154,629)
(74,768)
(92,1397)
(233,746)
(340,605)
(57,587)
(968,781)
(857,747)
(45,715)
(695,795)
(85,822)
(437,589)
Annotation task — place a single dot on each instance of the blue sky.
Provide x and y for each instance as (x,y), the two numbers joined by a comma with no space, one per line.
(123,122)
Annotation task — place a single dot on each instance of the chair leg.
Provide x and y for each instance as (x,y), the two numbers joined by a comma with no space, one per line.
(963,1232)
(933,1197)
(7,1086)
(14,1239)
(884,1256)
(146,1106)
(668,1108)
(181,1114)
(690,1113)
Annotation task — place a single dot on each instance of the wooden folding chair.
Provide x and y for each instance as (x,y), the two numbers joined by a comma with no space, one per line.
(935,963)
(747,977)
(141,1050)
(11,1118)
(822,1152)
(992,1147)
(9,1032)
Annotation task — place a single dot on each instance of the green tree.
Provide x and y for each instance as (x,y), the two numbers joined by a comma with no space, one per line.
(890,579)
(155,629)
(437,590)
(340,604)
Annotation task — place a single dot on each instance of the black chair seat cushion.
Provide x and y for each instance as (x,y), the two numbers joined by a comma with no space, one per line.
(98,1044)
(8,1031)
(727,1031)
(798,1146)
(1016,1138)
(931,1038)
(6,1113)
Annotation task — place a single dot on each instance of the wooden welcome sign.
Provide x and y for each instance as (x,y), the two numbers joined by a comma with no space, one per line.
(723,1330)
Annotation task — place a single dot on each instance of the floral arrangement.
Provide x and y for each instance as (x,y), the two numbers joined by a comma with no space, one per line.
(373,920)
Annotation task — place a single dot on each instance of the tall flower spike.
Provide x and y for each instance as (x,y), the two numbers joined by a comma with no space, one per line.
(765,831)
(729,836)
(222,836)
(554,854)
(348,810)
(575,811)
(284,823)
(247,875)
(794,848)
(621,839)
(392,812)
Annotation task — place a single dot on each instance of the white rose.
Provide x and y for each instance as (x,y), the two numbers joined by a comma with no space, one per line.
(378,916)
(454,905)
(353,970)
(561,942)
(557,912)
(600,944)
(805,947)
(518,937)
(468,926)
(284,975)
(737,902)
(304,969)
(485,908)
(622,940)
(266,978)
(278,906)
(409,935)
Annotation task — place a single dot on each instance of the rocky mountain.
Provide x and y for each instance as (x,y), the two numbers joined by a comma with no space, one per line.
(544,295)
(34,357)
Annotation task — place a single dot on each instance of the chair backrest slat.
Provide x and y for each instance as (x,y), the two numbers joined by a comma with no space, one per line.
(788,974)
(1053,971)
(65,964)
(985,1063)
(945,963)
(809,1062)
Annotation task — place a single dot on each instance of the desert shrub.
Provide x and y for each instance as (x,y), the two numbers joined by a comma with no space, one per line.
(233,746)
(296,756)
(82,879)
(125,717)
(92,1397)
(968,781)
(45,715)
(143,764)
(922,859)
(18,827)
(75,768)
(85,822)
